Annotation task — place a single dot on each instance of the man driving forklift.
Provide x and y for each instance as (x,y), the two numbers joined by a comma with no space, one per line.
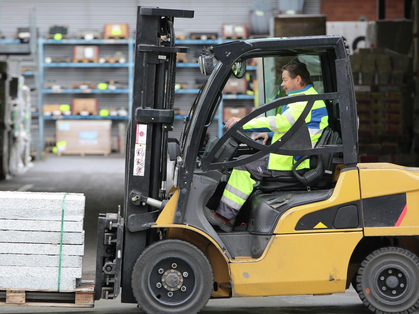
(295,80)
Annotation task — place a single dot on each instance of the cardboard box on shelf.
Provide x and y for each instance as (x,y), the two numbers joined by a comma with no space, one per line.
(392,107)
(383,63)
(363,106)
(86,54)
(235,86)
(367,78)
(394,129)
(394,118)
(362,96)
(384,78)
(51,107)
(116,31)
(229,112)
(84,137)
(364,128)
(368,63)
(85,105)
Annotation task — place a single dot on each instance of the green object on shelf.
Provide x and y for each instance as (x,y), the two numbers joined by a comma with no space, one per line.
(104,113)
(58,36)
(116,31)
(102,86)
(64,107)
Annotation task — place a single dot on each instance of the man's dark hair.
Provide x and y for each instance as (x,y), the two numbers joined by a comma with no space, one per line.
(295,68)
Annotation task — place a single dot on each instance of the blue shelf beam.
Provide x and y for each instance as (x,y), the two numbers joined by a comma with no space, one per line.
(187,91)
(91,91)
(85,65)
(87,42)
(85,118)
(28,73)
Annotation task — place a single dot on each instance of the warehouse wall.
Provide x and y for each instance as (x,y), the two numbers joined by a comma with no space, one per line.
(353,10)
(82,14)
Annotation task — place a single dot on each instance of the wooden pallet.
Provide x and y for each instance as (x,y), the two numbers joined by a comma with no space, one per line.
(204,36)
(234,37)
(82,297)
(110,60)
(85,60)
(82,154)
(115,37)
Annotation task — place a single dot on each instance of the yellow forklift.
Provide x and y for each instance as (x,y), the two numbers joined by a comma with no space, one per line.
(318,232)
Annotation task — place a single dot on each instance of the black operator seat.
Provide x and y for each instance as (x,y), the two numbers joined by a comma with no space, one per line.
(319,175)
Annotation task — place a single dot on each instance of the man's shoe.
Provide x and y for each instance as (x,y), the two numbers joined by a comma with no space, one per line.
(215,219)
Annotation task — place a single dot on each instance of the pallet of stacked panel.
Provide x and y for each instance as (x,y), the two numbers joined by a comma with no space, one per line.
(41,244)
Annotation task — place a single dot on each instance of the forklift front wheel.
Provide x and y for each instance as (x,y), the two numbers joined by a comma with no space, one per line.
(172,276)
(388,281)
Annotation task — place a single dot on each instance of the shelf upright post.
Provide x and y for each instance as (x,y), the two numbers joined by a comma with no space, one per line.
(40,83)
(131,43)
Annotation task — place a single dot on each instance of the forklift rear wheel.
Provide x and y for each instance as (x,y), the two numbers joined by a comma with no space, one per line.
(388,281)
(172,276)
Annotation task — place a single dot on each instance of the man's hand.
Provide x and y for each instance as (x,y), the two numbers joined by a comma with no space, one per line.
(264,136)
(230,122)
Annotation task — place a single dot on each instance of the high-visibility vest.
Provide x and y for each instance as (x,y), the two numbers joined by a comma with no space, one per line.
(278,125)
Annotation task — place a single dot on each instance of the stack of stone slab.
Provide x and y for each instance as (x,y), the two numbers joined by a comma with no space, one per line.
(41,240)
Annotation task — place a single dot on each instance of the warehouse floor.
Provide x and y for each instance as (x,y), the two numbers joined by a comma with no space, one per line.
(101,179)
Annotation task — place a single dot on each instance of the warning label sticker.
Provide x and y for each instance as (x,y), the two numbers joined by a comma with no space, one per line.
(140,150)
(141,134)
(139,160)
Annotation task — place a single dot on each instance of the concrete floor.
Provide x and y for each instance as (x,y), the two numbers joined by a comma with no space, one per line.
(102,181)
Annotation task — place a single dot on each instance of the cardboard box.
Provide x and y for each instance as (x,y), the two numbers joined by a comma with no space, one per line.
(234,31)
(51,108)
(116,31)
(230,112)
(235,86)
(85,104)
(86,54)
(84,137)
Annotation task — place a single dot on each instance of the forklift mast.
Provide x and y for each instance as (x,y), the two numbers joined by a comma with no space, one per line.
(122,240)
(152,117)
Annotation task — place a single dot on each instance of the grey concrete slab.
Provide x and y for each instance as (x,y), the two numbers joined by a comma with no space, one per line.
(40,225)
(37,283)
(41,237)
(41,206)
(41,249)
(40,260)
(39,272)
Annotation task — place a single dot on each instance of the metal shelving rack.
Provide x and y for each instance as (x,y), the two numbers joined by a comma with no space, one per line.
(45,91)
(129,65)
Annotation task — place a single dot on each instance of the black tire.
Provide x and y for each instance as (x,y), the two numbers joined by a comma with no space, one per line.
(172,276)
(388,281)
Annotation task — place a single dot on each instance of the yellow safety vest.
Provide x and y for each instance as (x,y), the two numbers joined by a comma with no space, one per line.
(278,125)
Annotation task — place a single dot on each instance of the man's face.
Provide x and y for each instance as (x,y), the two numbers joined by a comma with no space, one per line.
(290,84)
